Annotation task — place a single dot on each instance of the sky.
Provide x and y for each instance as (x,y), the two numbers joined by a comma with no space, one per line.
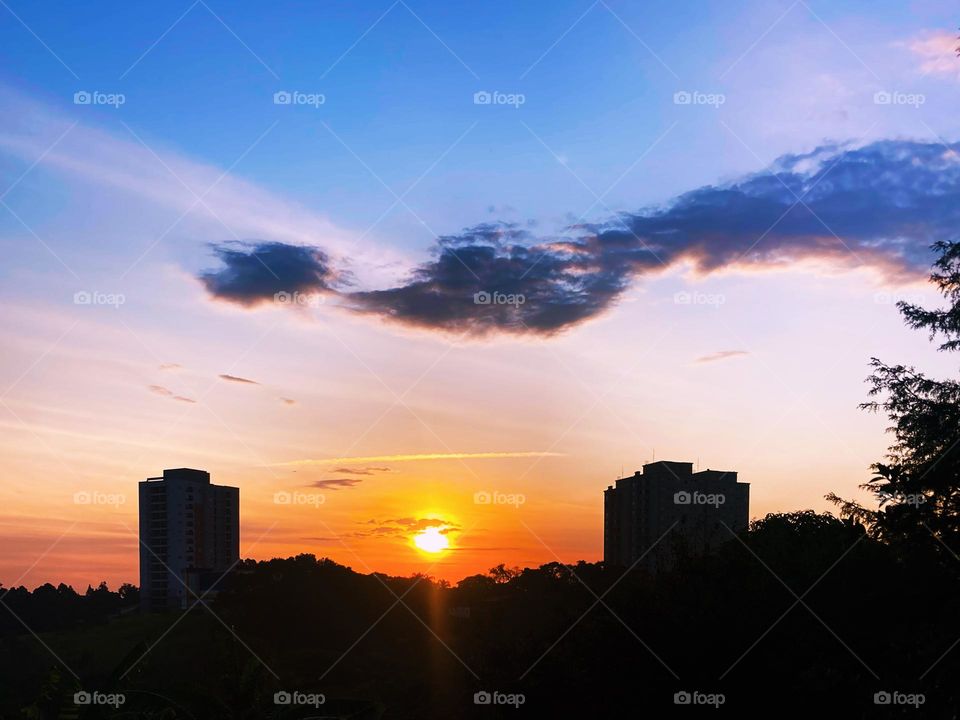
(391,266)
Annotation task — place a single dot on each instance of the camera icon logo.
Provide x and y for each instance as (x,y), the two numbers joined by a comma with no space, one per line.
(882,698)
(282,697)
(283,297)
(482,497)
(681,498)
(282,498)
(682,698)
(82,97)
(282,97)
(482,698)
(82,498)
(882,97)
(82,298)
(481,298)
(482,97)
(682,97)
(82,698)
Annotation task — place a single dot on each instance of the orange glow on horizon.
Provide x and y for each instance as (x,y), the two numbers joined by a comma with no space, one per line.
(422,456)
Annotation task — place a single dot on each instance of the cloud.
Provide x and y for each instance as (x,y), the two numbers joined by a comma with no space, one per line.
(165,392)
(336,483)
(499,278)
(164,178)
(401,527)
(347,482)
(416,458)
(171,366)
(237,379)
(408,526)
(938,53)
(259,272)
(288,401)
(361,471)
(880,206)
(721,355)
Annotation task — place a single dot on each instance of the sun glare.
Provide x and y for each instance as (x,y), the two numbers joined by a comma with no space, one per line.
(431,540)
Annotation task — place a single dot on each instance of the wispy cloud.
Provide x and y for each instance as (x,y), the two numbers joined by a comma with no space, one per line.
(238,379)
(361,471)
(347,482)
(721,355)
(336,483)
(134,166)
(937,51)
(417,458)
(396,528)
(165,392)
(407,526)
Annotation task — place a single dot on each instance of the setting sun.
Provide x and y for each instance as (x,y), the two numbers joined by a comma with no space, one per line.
(431,540)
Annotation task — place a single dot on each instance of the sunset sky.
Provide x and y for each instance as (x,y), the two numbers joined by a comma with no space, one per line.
(709,210)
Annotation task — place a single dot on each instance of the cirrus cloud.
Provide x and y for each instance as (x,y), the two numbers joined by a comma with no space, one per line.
(937,52)
(720,355)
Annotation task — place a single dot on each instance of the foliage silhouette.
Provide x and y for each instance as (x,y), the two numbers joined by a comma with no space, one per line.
(918,484)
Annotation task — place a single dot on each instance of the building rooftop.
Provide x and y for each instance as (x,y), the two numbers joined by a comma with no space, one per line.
(678,470)
(187,474)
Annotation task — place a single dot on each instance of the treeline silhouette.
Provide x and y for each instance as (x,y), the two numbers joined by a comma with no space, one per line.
(61,607)
(380,646)
(803,613)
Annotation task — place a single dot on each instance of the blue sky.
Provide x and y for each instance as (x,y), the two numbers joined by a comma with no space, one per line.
(598,80)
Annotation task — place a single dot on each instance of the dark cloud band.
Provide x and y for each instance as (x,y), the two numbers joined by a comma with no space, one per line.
(880,205)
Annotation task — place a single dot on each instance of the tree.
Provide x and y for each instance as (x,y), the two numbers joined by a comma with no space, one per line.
(918,483)
(502,574)
(129,594)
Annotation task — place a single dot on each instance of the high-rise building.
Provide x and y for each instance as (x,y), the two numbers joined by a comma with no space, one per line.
(189,536)
(653,517)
